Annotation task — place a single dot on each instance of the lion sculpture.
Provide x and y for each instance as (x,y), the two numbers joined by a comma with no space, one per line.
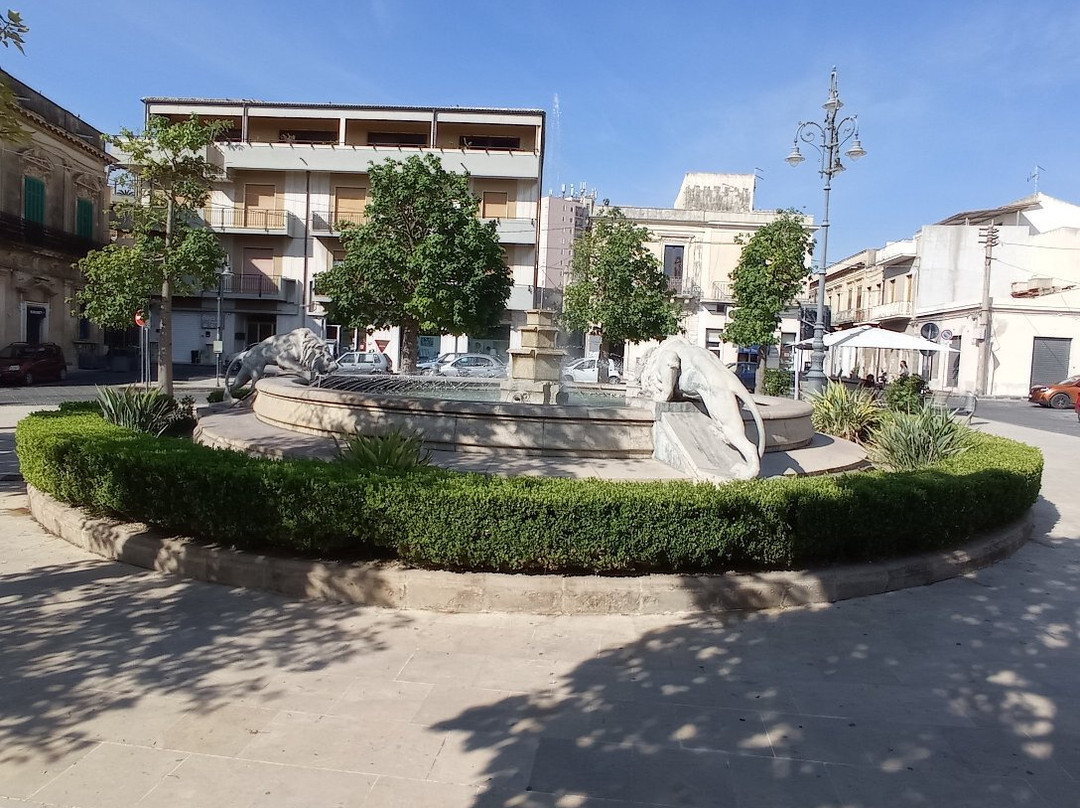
(678,369)
(300,352)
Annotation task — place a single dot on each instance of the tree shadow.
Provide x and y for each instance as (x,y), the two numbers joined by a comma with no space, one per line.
(961,693)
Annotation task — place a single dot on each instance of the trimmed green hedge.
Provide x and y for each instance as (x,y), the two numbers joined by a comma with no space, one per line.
(438,518)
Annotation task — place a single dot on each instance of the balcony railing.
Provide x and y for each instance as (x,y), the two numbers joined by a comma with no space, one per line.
(261,220)
(325,221)
(898,309)
(256,285)
(32,234)
(724,292)
(684,287)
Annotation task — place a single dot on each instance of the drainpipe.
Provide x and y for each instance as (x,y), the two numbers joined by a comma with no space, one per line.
(304,302)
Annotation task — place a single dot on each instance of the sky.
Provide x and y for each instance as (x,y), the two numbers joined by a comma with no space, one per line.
(957,101)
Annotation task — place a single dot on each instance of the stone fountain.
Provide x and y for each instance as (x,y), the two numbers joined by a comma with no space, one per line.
(535,366)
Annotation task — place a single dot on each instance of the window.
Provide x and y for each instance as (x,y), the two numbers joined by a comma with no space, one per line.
(349,204)
(84,218)
(34,200)
(260,202)
(396,139)
(494,205)
(673,261)
(489,142)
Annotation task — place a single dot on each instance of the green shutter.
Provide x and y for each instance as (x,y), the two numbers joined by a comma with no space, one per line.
(33,200)
(84,218)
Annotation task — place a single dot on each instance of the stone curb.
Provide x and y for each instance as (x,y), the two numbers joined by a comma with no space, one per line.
(396,587)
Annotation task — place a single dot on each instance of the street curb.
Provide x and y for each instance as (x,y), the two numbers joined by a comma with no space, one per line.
(393,586)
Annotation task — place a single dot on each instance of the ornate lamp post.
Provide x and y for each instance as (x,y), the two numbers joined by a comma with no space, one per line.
(223,274)
(827,140)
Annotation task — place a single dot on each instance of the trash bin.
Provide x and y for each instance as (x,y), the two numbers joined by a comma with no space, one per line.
(195,357)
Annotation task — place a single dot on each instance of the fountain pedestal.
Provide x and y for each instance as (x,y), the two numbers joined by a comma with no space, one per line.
(535,366)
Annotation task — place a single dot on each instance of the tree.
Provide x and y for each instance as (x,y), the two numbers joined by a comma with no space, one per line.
(422,259)
(770,272)
(618,288)
(12,29)
(169,248)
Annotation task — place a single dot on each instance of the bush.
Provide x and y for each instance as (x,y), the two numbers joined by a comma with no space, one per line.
(393,451)
(903,441)
(904,394)
(436,518)
(844,413)
(149,411)
(779,383)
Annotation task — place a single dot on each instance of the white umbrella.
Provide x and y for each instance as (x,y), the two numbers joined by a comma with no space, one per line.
(868,336)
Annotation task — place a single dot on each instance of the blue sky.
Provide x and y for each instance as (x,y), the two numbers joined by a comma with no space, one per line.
(957,101)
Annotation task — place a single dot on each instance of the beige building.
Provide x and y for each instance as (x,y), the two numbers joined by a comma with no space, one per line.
(53,201)
(291,172)
(696,242)
(935,280)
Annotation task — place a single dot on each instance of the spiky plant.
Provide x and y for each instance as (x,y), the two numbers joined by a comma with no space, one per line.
(392,451)
(904,441)
(844,413)
(143,410)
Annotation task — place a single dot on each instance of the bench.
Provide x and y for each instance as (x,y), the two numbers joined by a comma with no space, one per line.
(956,402)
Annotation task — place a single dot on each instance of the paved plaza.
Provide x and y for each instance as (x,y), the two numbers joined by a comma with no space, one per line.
(122,687)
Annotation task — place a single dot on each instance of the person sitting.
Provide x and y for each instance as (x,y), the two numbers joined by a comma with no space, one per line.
(869,381)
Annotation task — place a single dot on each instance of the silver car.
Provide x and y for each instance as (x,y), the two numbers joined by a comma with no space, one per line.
(473,364)
(363,363)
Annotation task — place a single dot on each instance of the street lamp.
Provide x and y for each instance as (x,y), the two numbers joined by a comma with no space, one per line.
(223,273)
(827,140)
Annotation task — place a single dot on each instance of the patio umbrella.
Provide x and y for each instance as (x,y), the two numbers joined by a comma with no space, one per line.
(868,336)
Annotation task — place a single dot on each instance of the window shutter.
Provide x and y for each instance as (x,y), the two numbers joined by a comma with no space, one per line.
(34,200)
(84,218)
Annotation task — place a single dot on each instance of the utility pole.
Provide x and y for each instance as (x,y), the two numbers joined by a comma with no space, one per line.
(988,236)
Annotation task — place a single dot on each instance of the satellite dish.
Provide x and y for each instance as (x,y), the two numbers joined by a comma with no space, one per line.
(930,331)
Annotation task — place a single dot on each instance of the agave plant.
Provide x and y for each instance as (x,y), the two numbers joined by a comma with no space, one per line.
(144,410)
(905,441)
(844,413)
(391,451)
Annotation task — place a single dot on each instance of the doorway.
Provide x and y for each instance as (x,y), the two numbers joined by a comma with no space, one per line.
(35,323)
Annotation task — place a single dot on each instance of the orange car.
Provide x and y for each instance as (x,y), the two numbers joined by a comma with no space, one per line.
(1060,396)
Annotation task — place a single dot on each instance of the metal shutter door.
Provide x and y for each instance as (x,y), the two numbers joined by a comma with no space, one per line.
(1050,360)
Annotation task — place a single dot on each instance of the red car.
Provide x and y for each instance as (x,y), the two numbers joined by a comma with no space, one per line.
(1060,396)
(23,363)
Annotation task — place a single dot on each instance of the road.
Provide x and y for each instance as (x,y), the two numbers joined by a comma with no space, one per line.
(1031,416)
(81,385)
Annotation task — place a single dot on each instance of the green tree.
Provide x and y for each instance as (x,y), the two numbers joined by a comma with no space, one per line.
(168,248)
(421,260)
(12,29)
(618,288)
(770,272)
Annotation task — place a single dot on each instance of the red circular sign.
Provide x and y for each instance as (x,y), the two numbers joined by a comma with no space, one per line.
(140,319)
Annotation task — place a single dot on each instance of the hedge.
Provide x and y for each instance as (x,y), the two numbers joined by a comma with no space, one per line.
(438,518)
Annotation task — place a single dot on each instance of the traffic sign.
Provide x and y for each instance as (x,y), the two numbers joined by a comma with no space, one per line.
(946,335)
(140,319)
(930,331)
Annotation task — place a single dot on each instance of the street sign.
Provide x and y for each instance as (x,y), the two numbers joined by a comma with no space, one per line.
(946,335)
(930,331)
(140,319)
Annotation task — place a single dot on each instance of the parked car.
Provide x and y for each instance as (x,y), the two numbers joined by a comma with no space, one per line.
(23,363)
(472,364)
(588,370)
(747,373)
(1060,396)
(432,365)
(364,363)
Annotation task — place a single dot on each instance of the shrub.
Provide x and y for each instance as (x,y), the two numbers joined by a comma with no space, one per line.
(904,394)
(779,382)
(903,441)
(844,413)
(436,518)
(392,451)
(149,411)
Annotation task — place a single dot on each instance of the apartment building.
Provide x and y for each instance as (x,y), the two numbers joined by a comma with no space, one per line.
(292,171)
(935,281)
(53,205)
(696,242)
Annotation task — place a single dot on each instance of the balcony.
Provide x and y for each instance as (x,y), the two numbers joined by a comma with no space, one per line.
(260,286)
(897,310)
(325,221)
(845,316)
(516,231)
(30,234)
(249,221)
(351,159)
(896,252)
(724,292)
(685,288)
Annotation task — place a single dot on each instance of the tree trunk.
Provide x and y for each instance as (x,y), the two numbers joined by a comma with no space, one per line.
(165,375)
(164,370)
(410,335)
(759,375)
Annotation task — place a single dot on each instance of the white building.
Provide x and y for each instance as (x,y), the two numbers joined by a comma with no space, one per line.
(937,277)
(695,240)
(292,171)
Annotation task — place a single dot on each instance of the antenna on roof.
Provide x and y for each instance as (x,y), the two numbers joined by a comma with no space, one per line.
(1035,174)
